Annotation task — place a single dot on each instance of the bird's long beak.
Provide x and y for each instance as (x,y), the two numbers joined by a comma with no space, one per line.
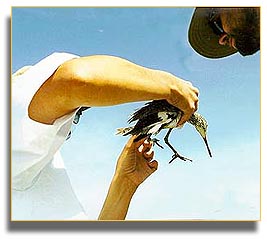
(207,145)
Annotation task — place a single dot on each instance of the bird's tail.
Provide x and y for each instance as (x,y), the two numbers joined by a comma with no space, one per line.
(124,130)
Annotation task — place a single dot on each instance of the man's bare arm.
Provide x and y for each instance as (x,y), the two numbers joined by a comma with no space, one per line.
(106,80)
(134,166)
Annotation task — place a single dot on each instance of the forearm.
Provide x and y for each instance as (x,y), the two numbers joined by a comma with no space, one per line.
(107,80)
(118,199)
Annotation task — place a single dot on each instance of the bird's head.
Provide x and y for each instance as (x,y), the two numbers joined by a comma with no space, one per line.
(201,125)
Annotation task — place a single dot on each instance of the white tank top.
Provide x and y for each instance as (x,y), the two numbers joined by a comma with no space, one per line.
(35,159)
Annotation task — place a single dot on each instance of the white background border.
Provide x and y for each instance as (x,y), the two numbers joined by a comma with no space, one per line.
(132,230)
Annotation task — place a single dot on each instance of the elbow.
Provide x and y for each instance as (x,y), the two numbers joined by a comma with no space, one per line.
(76,81)
(73,72)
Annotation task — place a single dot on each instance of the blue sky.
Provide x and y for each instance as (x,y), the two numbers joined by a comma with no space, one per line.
(223,187)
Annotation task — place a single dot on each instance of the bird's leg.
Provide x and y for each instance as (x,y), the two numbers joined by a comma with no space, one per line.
(156,141)
(166,139)
(176,154)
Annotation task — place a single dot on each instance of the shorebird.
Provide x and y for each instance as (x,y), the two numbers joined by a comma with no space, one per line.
(158,115)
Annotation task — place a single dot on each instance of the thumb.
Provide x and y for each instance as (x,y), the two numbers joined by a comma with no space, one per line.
(183,119)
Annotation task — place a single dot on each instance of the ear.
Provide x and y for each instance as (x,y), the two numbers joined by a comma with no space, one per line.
(223,40)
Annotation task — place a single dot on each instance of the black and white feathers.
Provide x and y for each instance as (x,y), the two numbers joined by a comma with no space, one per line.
(151,119)
(157,115)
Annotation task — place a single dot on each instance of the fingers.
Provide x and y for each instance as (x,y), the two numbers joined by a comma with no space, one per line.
(153,165)
(144,148)
(185,97)
(188,112)
(192,88)
(185,118)
(191,107)
(137,145)
(147,150)
(149,154)
(140,142)
(195,90)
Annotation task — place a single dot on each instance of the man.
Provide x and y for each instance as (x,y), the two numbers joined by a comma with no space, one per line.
(220,32)
(51,94)
(48,97)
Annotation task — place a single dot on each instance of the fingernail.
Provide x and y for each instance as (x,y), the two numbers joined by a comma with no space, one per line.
(149,152)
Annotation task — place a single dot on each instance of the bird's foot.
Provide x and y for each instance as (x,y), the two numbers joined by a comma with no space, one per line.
(156,141)
(177,155)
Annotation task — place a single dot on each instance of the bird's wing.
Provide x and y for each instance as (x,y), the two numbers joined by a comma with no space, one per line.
(151,108)
(144,124)
(153,123)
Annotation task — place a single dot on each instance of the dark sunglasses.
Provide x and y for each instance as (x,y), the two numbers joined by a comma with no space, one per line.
(215,22)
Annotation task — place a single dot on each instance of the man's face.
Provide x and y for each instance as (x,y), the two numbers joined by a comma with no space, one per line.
(229,22)
(219,32)
(234,34)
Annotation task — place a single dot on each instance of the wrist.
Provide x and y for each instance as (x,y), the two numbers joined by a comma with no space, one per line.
(123,183)
(118,199)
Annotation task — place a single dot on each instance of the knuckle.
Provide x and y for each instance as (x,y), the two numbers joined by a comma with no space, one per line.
(192,107)
(191,110)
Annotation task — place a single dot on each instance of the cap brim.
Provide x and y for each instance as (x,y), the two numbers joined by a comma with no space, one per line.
(203,39)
